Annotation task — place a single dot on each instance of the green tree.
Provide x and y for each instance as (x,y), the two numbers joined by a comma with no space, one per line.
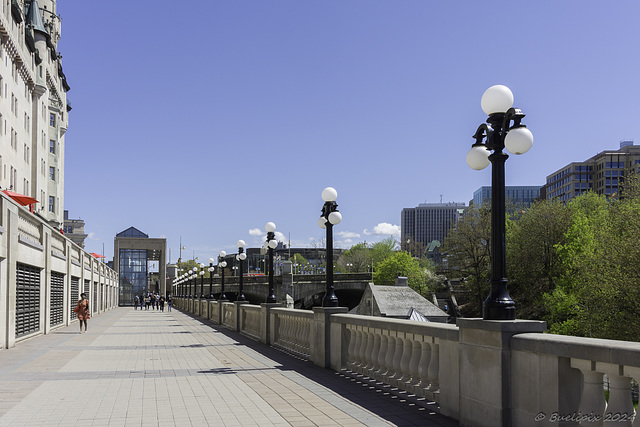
(533,264)
(383,249)
(467,253)
(597,294)
(402,263)
(354,260)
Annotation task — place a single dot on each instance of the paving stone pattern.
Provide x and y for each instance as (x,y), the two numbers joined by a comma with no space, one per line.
(150,368)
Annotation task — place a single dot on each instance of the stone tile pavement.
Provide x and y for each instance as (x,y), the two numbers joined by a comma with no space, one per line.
(150,368)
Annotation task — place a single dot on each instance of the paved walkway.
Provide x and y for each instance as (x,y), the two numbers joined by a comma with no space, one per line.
(147,368)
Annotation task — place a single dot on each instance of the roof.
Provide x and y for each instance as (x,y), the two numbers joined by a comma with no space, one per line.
(132,232)
(398,301)
(34,18)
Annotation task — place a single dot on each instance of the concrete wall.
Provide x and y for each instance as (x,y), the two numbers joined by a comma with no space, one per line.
(27,239)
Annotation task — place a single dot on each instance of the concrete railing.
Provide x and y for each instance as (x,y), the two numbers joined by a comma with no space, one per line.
(292,330)
(482,373)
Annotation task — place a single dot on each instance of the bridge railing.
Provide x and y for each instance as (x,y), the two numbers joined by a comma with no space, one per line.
(482,373)
(292,330)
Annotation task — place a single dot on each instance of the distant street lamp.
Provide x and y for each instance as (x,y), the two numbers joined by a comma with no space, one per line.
(241,257)
(272,243)
(222,264)
(330,217)
(211,269)
(195,282)
(201,280)
(495,135)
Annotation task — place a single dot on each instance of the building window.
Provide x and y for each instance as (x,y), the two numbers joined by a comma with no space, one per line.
(52,173)
(52,204)
(52,119)
(52,146)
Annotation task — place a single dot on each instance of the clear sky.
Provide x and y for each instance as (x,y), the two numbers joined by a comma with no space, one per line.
(203,120)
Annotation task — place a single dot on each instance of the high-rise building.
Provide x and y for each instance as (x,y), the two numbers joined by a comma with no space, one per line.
(428,222)
(520,195)
(33,105)
(602,173)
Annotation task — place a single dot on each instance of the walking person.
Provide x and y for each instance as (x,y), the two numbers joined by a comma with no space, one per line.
(168,302)
(83,311)
(141,301)
(147,301)
(153,302)
(136,303)
(161,303)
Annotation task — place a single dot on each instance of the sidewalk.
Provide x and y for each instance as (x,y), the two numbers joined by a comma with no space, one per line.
(149,368)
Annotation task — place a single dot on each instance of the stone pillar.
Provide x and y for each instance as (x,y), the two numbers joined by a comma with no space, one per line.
(265,321)
(485,369)
(321,351)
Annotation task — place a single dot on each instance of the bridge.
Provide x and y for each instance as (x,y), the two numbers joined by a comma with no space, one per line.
(307,290)
(139,367)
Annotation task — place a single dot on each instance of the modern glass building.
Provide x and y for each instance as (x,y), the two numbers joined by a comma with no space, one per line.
(133,251)
(602,173)
(520,195)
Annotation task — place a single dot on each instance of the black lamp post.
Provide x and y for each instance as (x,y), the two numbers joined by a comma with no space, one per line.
(195,282)
(491,139)
(189,284)
(241,257)
(222,264)
(330,217)
(201,281)
(272,243)
(211,269)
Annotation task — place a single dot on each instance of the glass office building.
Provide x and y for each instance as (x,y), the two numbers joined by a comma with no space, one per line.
(520,195)
(132,253)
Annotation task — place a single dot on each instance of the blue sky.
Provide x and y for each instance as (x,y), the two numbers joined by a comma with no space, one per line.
(205,122)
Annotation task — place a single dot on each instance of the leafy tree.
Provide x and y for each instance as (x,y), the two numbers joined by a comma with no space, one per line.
(383,249)
(532,259)
(597,294)
(356,259)
(400,263)
(467,253)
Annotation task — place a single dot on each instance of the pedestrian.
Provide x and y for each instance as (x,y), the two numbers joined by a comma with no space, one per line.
(147,301)
(137,303)
(161,303)
(83,311)
(153,301)
(141,301)
(168,302)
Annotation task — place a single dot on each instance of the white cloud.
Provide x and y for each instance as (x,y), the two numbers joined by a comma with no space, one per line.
(384,229)
(347,234)
(92,236)
(280,237)
(255,232)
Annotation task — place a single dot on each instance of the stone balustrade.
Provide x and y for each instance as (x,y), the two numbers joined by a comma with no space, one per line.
(482,373)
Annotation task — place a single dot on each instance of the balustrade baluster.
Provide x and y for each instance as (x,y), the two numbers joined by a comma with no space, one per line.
(592,399)
(397,359)
(388,361)
(423,369)
(416,354)
(434,367)
(372,356)
(406,358)
(352,345)
(381,355)
(357,349)
(367,346)
(620,402)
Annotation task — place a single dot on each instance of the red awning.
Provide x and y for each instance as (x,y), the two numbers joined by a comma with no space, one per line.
(97,255)
(20,198)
